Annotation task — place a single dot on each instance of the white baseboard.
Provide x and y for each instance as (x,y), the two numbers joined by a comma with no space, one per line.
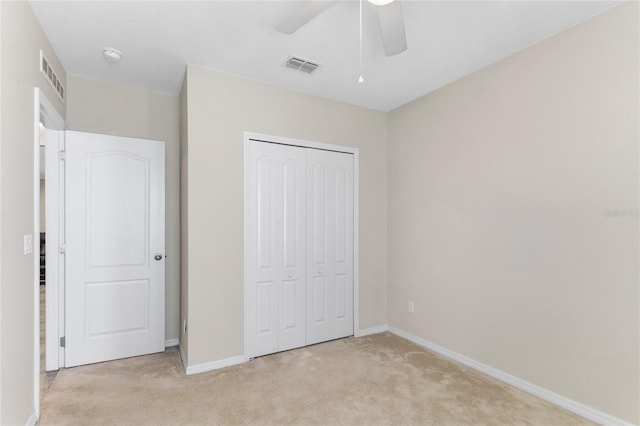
(171,343)
(214,365)
(32,420)
(372,330)
(547,395)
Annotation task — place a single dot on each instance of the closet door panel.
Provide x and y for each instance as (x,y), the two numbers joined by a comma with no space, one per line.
(343,243)
(319,246)
(292,318)
(318,311)
(329,245)
(264,200)
(300,236)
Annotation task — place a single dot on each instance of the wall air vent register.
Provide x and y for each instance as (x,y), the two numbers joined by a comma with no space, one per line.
(51,77)
(302,65)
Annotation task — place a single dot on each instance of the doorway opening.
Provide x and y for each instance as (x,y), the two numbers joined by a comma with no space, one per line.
(45,117)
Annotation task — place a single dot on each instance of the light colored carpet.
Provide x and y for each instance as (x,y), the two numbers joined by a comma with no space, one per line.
(375,380)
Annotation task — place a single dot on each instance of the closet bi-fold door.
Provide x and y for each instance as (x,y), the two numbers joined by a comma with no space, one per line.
(330,221)
(276,263)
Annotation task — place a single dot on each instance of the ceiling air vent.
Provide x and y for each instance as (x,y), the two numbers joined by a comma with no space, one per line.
(51,77)
(302,65)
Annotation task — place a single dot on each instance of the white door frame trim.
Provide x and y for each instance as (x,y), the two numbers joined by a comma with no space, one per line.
(249,136)
(54,219)
(53,119)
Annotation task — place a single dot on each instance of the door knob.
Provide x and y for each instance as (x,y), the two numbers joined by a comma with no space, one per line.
(157,256)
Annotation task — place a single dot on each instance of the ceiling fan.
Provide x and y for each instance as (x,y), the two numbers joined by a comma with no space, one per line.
(389,15)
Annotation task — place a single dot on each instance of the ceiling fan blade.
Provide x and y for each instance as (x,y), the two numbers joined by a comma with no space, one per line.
(301,13)
(391,19)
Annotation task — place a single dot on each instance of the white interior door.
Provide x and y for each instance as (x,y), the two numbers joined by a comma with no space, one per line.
(114,247)
(329,245)
(276,264)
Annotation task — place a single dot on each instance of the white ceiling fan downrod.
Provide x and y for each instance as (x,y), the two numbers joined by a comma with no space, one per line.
(361,79)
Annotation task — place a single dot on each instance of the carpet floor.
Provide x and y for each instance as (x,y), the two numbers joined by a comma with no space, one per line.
(374,380)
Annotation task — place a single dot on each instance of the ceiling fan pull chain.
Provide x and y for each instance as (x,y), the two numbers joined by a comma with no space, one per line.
(360,79)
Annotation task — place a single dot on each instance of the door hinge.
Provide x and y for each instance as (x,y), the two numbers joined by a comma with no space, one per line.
(62,342)
(63,249)
(62,155)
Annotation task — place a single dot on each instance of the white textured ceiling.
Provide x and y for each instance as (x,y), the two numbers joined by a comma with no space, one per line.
(446,40)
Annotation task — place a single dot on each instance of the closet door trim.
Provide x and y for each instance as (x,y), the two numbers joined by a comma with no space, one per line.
(250,136)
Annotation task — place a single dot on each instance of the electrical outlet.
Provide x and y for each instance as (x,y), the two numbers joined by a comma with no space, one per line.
(410,307)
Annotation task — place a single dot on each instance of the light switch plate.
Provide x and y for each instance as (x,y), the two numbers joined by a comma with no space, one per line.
(28,244)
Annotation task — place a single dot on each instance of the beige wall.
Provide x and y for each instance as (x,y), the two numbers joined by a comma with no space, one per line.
(21,40)
(1,208)
(501,187)
(221,107)
(100,107)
